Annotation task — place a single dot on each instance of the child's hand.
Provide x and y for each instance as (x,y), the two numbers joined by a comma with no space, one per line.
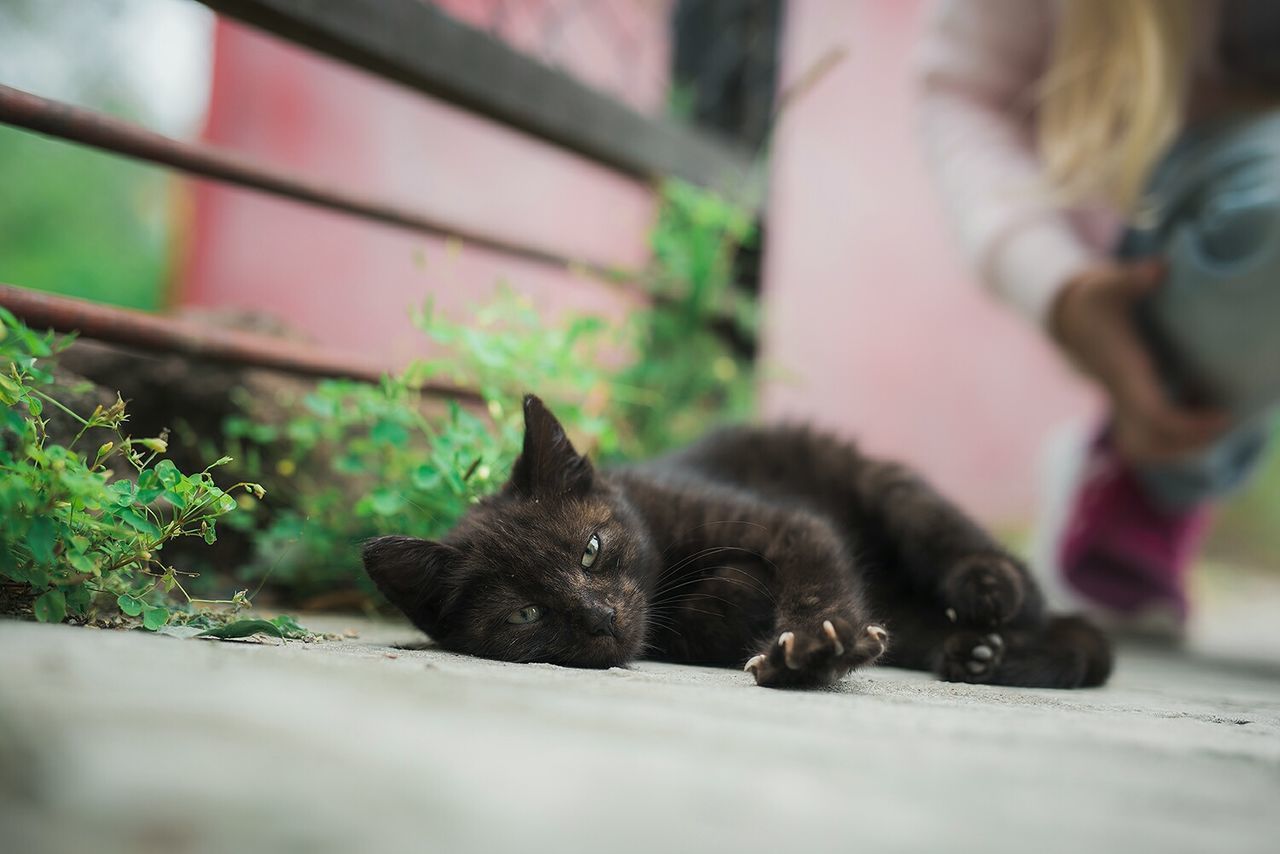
(1092,321)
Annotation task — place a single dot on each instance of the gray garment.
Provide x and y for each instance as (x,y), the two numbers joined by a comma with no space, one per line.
(1212,210)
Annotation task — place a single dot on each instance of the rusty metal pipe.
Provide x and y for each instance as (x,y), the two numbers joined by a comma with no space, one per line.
(76,124)
(154,333)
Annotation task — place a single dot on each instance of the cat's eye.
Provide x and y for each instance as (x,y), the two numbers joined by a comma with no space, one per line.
(591,552)
(527,614)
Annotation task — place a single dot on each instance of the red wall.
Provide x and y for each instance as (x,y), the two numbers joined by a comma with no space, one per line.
(348,283)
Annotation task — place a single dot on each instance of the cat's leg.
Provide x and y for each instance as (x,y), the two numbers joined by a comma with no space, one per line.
(951,562)
(1067,652)
(821,626)
(1062,652)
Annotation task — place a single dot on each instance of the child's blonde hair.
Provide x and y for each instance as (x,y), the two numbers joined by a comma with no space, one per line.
(1113,96)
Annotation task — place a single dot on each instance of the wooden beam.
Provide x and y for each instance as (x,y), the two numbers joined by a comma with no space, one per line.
(417,45)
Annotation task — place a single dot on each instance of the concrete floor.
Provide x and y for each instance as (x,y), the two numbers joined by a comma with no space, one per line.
(123,741)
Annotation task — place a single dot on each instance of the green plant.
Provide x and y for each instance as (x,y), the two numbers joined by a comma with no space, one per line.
(687,374)
(360,460)
(74,530)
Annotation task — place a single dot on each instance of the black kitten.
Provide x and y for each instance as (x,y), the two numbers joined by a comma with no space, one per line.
(775,547)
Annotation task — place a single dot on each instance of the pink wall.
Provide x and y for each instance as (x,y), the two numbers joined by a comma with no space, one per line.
(872,327)
(348,283)
(871,320)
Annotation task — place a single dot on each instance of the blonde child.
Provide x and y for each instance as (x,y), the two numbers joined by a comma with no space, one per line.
(1113,170)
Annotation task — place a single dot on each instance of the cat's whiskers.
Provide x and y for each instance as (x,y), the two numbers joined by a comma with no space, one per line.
(698,611)
(417,506)
(668,600)
(689,582)
(688,536)
(684,562)
(695,595)
(748,580)
(668,625)
(688,559)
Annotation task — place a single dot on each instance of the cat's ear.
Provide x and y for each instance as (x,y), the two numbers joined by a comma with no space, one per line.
(548,465)
(412,574)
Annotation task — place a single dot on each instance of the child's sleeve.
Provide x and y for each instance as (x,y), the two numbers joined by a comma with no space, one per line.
(978,64)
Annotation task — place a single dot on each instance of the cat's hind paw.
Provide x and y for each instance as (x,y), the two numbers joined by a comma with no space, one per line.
(987,589)
(799,658)
(971,657)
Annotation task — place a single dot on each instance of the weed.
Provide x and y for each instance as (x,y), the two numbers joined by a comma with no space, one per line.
(76,533)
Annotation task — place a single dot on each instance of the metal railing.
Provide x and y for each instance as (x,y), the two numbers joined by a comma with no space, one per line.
(415,45)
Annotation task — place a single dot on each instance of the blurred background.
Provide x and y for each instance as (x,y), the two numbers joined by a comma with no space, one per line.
(869,323)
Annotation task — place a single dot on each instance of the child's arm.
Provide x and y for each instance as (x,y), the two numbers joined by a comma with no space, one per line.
(979,61)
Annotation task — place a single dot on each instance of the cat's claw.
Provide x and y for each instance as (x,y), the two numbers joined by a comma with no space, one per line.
(830,632)
(787,640)
(815,657)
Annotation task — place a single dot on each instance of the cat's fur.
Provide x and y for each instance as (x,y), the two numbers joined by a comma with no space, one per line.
(775,547)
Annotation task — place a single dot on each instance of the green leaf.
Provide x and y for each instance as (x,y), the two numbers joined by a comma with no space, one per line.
(11,420)
(350,463)
(42,536)
(137,521)
(389,433)
(9,391)
(78,599)
(168,474)
(243,629)
(36,576)
(154,617)
(130,605)
(386,502)
(151,493)
(290,627)
(425,477)
(51,607)
(303,432)
(320,406)
(122,492)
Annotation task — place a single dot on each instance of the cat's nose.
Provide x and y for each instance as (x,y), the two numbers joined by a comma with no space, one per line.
(602,621)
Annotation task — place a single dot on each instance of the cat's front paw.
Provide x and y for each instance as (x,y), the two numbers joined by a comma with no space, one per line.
(987,589)
(802,657)
(971,657)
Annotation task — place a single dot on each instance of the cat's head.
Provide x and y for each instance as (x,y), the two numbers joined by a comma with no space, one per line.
(555,567)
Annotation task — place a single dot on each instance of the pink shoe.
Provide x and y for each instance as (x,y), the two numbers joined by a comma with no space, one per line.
(1124,554)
